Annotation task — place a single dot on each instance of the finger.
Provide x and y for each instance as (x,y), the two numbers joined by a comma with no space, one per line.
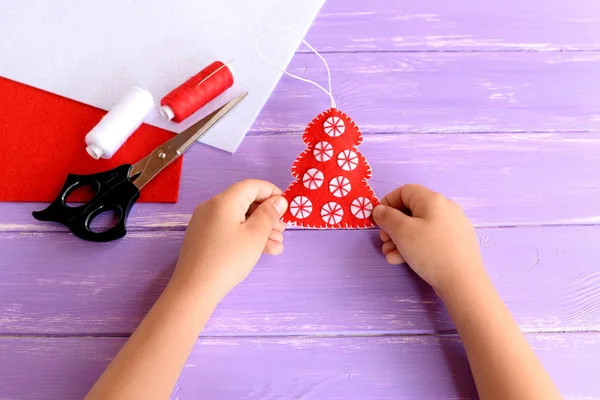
(266,217)
(388,247)
(276,236)
(394,258)
(383,235)
(392,221)
(273,248)
(248,191)
(280,226)
(252,208)
(415,198)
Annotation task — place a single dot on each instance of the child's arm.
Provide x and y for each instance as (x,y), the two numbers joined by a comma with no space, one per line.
(221,246)
(439,244)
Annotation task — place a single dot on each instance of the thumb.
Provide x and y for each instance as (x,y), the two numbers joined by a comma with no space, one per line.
(266,216)
(390,220)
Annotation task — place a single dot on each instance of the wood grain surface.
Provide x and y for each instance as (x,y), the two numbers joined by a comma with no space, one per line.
(444,92)
(346,287)
(468,25)
(315,368)
(493,103)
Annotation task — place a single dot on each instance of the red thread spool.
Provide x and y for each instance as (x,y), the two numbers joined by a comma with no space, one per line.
(196,92)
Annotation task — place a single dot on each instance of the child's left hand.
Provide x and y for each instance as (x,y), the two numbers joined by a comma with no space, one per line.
(228,233)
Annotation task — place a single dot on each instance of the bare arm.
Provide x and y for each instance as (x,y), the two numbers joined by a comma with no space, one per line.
(221,246)
(504,365)
(149,364)
(440,245)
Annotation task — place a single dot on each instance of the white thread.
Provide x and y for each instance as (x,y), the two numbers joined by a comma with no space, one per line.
(215,71)
(122,120)
(329,93)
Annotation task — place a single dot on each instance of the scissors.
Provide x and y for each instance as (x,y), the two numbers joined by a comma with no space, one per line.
(118,189)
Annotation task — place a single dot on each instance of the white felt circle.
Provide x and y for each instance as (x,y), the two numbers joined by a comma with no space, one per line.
(347,160)
(332,213)
(340,186)
(323,151)
(313,179)
(300,207)
(361,207)
(334,126)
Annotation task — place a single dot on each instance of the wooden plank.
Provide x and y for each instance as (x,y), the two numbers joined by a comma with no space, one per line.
(375,368)
(501,179)
(440,25)
(57,284)
(444,92)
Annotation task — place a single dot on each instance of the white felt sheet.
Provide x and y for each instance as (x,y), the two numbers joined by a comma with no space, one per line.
(93,51)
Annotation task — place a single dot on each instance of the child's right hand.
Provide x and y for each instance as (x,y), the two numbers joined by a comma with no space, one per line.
(438,242)
(228,233)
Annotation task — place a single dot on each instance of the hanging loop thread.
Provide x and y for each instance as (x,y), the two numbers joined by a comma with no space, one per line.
(328,92)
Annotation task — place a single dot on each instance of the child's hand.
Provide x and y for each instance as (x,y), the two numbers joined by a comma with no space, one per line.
(228,233)
(437,241)
(439,244)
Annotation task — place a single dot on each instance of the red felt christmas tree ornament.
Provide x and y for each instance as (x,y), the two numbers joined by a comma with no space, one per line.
(330,190)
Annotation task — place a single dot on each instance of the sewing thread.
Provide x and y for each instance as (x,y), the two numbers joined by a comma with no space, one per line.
(196,92)
(119,123)
(287,28)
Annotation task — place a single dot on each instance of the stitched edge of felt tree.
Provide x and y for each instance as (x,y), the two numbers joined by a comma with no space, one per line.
(331,190)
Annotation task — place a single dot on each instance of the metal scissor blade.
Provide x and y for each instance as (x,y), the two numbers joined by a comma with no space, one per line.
(148,167)
(187,138)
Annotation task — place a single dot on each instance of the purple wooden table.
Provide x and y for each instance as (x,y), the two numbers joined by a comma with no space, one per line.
(494,103)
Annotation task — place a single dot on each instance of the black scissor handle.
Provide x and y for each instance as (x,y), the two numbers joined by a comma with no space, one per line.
(114,192)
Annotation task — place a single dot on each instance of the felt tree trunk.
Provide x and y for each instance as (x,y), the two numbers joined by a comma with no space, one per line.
(331,189)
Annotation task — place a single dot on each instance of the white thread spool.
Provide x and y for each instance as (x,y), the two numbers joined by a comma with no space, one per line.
(122,120)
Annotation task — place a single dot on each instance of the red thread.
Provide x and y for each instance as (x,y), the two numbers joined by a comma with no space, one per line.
(197,91)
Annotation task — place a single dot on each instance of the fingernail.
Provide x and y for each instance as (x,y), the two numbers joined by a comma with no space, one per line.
(280,204)
(377,211)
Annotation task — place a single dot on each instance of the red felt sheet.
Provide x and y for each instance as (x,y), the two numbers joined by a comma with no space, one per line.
(42,139)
